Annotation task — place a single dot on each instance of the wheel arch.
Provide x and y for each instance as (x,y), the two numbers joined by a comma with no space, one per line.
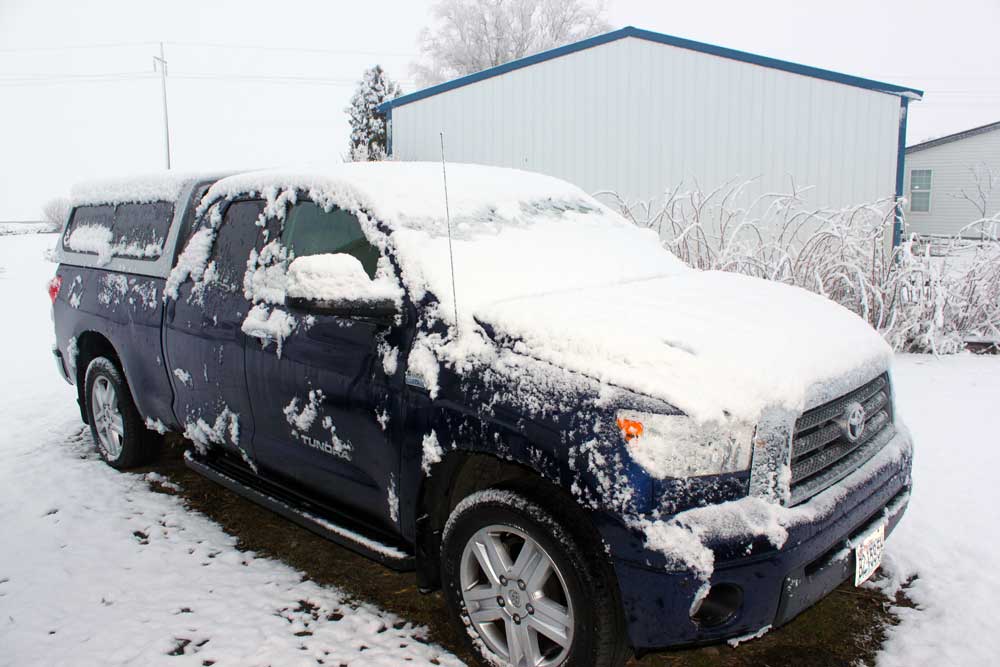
(462,472)
(90,345)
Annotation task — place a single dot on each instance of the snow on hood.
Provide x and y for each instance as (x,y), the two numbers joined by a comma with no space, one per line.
(713,344)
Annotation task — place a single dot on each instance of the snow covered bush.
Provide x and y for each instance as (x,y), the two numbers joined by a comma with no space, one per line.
(920,297)
(55,211)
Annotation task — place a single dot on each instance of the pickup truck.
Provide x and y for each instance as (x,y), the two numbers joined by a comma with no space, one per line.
(496,381)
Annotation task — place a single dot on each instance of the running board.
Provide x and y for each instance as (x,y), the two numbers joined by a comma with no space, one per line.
(386,554)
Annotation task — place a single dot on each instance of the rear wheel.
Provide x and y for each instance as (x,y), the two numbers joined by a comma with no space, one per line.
(526,591)
(114,421)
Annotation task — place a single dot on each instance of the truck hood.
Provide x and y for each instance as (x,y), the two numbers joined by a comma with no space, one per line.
(716,345)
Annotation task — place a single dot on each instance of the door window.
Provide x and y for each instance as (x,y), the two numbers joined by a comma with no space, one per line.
(309,230)
(233,242)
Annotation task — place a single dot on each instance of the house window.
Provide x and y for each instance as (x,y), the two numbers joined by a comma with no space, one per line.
(920,190)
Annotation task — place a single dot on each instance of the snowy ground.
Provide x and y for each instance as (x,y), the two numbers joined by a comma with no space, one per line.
(98,569)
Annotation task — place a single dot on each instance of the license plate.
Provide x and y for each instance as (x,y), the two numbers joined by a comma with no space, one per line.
(868,554)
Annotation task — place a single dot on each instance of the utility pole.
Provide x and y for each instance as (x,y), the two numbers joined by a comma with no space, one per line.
(162,61)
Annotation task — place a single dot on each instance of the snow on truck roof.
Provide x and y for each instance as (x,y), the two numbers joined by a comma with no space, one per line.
(408,194)
(138,189)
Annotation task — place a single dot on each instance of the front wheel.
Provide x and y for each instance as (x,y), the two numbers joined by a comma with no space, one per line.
(526,591)
(114,421)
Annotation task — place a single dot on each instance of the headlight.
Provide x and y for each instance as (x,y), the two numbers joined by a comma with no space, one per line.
(675,446)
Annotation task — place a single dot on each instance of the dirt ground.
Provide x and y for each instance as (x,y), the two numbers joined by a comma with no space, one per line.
(846,628)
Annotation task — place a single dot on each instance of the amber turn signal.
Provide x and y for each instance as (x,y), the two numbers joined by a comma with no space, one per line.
(630,428)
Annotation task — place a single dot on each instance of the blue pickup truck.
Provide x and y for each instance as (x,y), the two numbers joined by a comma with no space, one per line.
(494,380)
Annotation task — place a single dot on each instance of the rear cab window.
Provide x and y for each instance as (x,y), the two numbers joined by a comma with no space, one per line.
(89,227)
(133,231)
(140,229)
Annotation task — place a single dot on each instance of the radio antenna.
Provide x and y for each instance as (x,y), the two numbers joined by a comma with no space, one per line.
(447,213)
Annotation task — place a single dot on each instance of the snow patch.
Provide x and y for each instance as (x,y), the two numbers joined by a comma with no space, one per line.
(183,376)
(113,288)
(161,480)
(341,448)
(269,325)
(392,499)
(156,425)
(339,278)
(736,641)
(303,420)
(204,435)
(141,189)
(432,452)
(75,292)
(94,239)
(72,353)
(193,259)
(265,278)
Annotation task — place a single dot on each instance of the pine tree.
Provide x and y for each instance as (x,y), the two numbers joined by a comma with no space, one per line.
(368,126)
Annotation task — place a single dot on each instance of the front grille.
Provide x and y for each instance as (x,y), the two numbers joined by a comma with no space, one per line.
(822,454)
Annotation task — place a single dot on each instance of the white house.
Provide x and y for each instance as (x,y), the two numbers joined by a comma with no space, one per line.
(639,112)
(953,181)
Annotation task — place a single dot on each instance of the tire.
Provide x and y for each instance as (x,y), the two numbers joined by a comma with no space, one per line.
(556,596)
(115,424)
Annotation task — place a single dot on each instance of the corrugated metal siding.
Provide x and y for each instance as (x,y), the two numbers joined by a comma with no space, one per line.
(639,117)
(950,166)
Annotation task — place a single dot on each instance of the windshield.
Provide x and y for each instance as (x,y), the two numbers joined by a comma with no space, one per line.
(546,246)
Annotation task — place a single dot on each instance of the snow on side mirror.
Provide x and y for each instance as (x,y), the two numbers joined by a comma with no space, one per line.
(336,284)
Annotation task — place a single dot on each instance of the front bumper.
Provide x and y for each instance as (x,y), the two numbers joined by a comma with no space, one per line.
(777,582)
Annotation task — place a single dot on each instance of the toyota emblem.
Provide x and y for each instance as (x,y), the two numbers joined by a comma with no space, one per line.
(852,423)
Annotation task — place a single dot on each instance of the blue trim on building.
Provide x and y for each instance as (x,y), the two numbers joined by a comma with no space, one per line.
(388,131)
(659,38)
(897,228)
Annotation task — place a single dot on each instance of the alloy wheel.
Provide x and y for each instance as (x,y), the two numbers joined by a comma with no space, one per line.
(108,421)
(516,597)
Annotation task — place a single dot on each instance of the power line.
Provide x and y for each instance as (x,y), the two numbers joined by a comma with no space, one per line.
(75,79)
(294,49)
(73,47)
(64,75)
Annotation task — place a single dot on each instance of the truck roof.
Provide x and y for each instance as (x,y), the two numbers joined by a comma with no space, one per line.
(139,189)
(409,194)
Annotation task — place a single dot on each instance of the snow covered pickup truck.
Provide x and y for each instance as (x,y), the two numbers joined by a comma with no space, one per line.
(592,448)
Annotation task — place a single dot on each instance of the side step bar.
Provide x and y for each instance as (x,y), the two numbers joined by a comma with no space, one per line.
(390,556)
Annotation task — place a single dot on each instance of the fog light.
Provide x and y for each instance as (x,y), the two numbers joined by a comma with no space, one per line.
(719,606)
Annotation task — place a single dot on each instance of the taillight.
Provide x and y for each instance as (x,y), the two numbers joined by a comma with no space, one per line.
(54,286)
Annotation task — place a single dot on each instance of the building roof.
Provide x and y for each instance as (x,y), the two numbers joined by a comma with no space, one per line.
(965,134)
(659,38)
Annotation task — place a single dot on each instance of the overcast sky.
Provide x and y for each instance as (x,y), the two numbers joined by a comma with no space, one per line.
(255,83)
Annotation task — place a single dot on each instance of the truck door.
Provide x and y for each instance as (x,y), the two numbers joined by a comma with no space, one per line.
(322,403)
(203,338)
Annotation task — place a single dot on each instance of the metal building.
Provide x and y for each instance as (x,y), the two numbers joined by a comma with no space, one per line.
(953,181)
(637,112)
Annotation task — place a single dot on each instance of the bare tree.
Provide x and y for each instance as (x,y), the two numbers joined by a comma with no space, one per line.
(472,35)
(984,179)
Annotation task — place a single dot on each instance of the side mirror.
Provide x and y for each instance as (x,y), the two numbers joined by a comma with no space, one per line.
(336,284)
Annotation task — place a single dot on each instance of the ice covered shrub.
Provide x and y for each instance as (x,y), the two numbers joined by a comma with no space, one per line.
(921,297)
(55,211)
